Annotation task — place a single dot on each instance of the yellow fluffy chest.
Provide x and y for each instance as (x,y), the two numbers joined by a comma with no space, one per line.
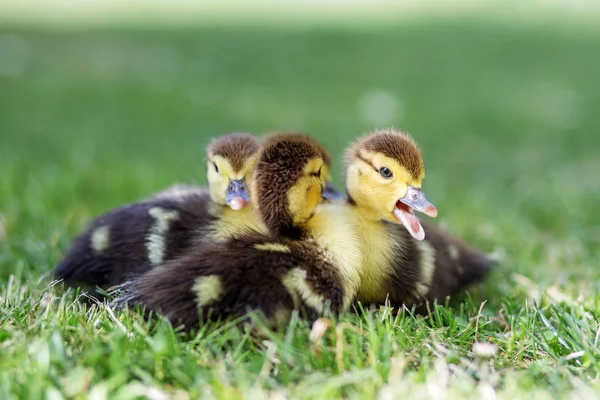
(378,247)
(231,223)
(335,230)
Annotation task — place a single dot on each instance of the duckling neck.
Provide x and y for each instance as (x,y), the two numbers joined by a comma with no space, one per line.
(365,212)
(230,222)
(378,246)
(277,217)
(334,229)
(282,225)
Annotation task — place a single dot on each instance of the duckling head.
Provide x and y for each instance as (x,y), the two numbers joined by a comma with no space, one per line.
(230,161)
(288,182)
(385,171)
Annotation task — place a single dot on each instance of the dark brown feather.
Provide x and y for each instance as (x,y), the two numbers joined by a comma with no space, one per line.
(128,228)
(395,144)
(453,273)
(279,167)
(251,280)
(326,157)
(130,225)
(236,147)
(401,285)
(250,277)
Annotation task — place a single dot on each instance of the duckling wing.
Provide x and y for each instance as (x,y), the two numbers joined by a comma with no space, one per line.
(457,264)
(229,279)
(131,239)
(432,269)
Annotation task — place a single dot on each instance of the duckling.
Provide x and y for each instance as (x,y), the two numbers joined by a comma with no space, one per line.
(141,235)
(406,261)
(309,258)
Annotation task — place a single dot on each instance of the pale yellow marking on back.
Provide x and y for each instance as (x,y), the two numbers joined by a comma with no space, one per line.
(208,289)
(282,248)
(155,242)
(280,317)
(100,238)
(427,267)
(453,251)
(288,281)
(335,230)
(295,281)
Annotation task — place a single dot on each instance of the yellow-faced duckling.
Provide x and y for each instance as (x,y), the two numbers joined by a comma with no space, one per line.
(407,261)
(309,259)
(138,236)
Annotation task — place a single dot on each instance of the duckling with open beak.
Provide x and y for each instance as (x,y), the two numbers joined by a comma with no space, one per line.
(414,199)
(385,172)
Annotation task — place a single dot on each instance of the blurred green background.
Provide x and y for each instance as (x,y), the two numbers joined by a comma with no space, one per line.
(505,113)
(104,103)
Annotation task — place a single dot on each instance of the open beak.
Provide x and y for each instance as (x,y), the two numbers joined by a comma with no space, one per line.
(236,196)
(330,193)
(414,200)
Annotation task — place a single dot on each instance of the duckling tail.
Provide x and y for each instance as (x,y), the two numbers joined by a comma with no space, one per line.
(82,267)
(457,264)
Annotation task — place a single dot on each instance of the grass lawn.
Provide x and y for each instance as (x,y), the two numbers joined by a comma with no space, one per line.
(507,117)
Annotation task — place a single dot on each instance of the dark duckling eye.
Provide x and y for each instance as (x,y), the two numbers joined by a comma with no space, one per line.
(318,173)
(385,172)
(215,165)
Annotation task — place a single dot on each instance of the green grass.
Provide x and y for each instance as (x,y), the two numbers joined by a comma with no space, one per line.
(506,117)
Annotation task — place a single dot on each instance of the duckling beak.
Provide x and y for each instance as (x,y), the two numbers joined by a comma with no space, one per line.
(414,199)
(236,196)
(331,193)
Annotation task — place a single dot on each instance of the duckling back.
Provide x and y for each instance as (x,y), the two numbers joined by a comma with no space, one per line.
(134,238)
(457,265)
(225,280)
(404,271)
